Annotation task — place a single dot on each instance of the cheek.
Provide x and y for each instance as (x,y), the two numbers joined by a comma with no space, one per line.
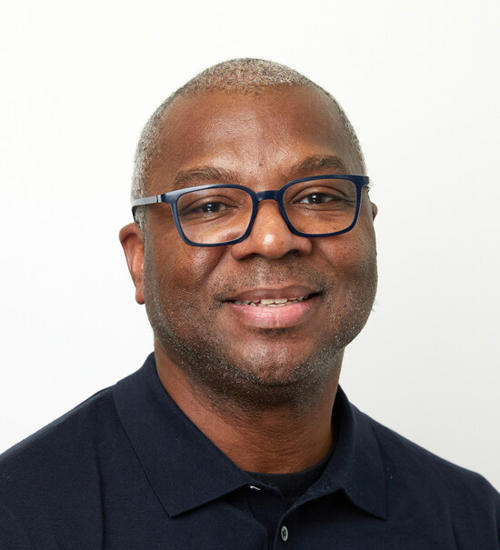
(179,271)
(353,259)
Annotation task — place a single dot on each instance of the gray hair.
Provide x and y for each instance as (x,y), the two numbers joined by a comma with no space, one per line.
(245,76)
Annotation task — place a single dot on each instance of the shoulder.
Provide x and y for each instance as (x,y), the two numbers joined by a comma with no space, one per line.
(60,456)
(412,470)
(51,482)
(80,427)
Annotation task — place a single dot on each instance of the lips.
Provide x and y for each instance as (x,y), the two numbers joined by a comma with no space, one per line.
(273,296)
(271,308)
(270,302)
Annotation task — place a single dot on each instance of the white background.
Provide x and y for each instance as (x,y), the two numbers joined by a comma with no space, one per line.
(419,81)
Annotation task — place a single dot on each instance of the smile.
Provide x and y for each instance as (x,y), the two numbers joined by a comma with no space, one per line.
(270,302)
(271,312)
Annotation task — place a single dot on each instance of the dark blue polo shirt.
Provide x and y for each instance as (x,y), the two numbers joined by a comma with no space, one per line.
(126,469)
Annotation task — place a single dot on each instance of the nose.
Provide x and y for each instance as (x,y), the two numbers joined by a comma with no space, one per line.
(270,236)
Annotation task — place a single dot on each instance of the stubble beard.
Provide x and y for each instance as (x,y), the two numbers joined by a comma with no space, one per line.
(227,384)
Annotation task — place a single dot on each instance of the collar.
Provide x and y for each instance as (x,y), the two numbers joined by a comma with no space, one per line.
(356,466)
(186,470)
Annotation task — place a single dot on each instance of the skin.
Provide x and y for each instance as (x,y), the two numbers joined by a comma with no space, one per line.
(262,391)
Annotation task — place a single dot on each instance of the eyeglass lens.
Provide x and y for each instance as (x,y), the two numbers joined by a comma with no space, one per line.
(222,214)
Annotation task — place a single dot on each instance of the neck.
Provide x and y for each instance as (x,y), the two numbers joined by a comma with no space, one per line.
(280,439)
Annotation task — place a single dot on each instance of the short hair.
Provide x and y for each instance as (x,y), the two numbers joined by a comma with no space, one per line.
(245,76)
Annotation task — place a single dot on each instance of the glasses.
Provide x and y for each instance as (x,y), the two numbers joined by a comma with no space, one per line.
(221,214)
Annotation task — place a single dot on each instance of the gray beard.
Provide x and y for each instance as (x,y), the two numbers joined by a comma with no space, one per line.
(230,386)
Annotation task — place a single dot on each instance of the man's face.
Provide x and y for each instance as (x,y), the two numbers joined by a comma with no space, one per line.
(261,142)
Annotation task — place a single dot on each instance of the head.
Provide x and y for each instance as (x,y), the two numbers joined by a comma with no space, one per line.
(257,124)
(244,76)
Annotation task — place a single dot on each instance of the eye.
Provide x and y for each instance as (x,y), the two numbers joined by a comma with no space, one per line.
(323,194)
(196,206)
(210,208)
(319,198)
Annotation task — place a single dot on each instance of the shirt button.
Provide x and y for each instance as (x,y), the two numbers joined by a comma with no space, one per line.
(284,533)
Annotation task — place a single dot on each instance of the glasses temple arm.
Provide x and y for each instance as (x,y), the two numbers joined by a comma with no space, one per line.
(146,200)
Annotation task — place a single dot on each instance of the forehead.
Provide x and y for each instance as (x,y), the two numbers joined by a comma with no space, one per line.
(252,134)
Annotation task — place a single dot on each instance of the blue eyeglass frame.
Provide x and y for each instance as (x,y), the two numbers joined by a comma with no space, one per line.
(277,195)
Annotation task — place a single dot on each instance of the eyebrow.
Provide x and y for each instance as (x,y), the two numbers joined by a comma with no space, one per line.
(202,175)
(319,162)
(213,174)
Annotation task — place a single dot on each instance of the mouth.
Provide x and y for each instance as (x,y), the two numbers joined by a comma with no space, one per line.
(274,302)
(274,308)
(265,296)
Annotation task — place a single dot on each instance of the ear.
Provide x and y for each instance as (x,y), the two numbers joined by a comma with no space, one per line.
(374,209)
(132,241)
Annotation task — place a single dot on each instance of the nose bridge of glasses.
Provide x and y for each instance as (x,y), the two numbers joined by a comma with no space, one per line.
(267,195)
(270,194)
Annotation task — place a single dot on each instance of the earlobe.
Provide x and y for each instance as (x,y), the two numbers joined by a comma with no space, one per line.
(374,209)
(132,241)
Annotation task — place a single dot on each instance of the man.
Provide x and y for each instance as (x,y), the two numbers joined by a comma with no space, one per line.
(253,250)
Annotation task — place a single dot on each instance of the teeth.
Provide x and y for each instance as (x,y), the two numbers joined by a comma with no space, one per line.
(269,302)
